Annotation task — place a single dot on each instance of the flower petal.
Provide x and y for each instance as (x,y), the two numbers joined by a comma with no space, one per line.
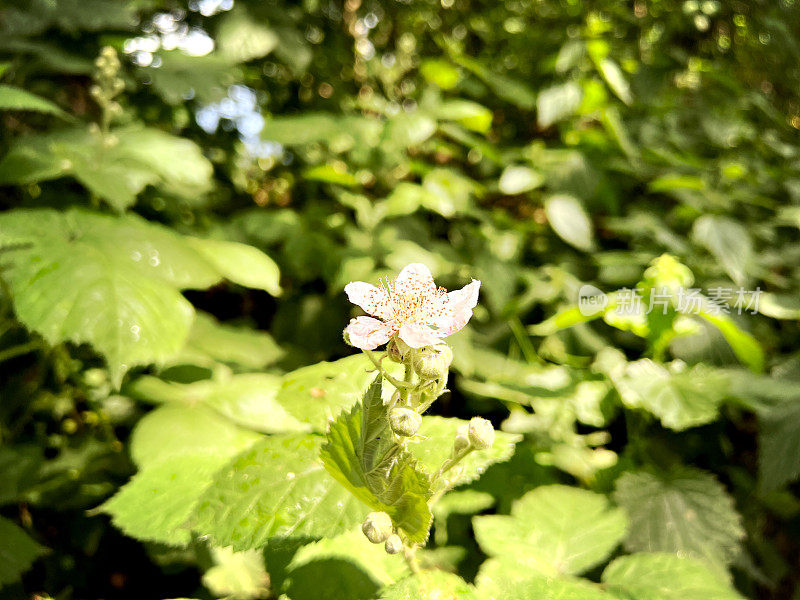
(368,333)
(414,280)
(418,336)
(458,308)
(373,300)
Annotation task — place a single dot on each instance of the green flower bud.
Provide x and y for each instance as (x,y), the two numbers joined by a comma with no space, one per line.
(433,362)
(405,421)
(377,527)
(394,545)
(461,442)
(481,433)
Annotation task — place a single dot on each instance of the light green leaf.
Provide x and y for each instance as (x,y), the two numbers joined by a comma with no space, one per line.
(242,38)
(17,551)
(507,88)
(277,488)
(240,263)
(744,345)
(615,79)
(779,445)
(569,220)
(12,98)
(518,179)
(239,575)
(471,115)
(506,580)
(361,454)
(449,193)
(116,167)
(687,511)
(554,529)
(211,342)
(680,397)
(317,393)
(557,103)
(661,576)
(346,567)
(180,75)
(430,585)
(440,72)
(434,443)
(178,429)
(728,241)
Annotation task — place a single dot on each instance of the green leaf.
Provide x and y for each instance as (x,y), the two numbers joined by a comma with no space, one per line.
(12,98)
(615,79)
(277,488)
(505,580)
(554,529)
(687,511)
(346,567)
(239,575)
(449,193)
(430,585)
(507,88)
(108,281)
(435,442)
(240,263)
(361,454)
(177,429)
(440,72)
(557,103)
(661,576)
(317,393)
(569,220)
(518,179)
(116,167)
(471,115)
(242,38)
(744,345)
(779,445)
(17,551)
(247,399)
(728,241)
(212,342)
(180,75)
(680,397)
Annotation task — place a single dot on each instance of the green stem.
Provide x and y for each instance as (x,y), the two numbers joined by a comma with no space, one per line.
(395,382)
(410,554)
(15,351)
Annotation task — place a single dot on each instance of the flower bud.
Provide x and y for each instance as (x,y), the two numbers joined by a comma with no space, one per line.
(377,527)
(405,421)
(461,442)
(433,362)
(394,545)
(481,433)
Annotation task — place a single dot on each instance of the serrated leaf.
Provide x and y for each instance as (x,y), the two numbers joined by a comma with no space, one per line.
(12,98)
(434,442)
(277,488)
(17,551)
(346,567)
(779,445)
(156,504)
(728,241)
(317,393)
(116,167)
(108,281)
(506,580)
(361,454)
(661,576)
(687,511)
(554,529)
(680,398)
(430,585)
(569,220)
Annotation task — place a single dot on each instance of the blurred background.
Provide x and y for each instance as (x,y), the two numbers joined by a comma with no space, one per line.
(188,187)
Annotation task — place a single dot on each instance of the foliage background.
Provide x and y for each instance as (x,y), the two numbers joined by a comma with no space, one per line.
(536,146)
